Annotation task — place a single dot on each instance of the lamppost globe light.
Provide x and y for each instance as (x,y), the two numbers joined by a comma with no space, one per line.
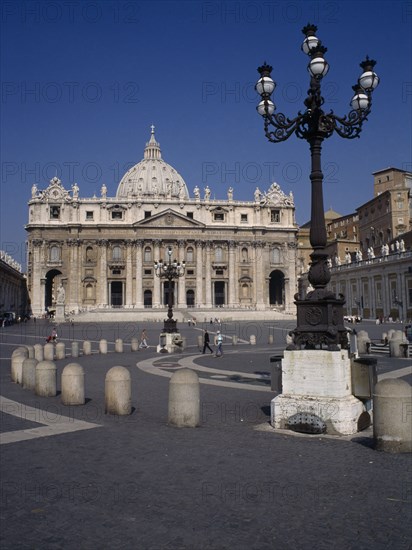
(368,80)
(266,107)
(318,67)
(360,101)
(309,43)
(265,85)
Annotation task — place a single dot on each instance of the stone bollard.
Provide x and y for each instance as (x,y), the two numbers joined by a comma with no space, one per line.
(103,346)
(38,352)
(392,419)
(270,339)
(363,342)
(234,340)
(61,350)
(118,345)
(87,347)
(29,373)
(17,358)
(134,344)
(252,340)
(184,399)
(46,379)
(384,339)
(48,352)
(200,342)
(73,385)
(118,391)
(395,349)
(75,349)
(30,350)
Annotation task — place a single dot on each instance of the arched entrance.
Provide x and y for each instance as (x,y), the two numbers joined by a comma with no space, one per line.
(277,288)
(52,283)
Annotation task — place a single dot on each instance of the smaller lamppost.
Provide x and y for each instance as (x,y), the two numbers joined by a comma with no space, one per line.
(170,270)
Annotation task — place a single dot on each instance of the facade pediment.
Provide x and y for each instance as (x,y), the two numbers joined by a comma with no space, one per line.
(169,218)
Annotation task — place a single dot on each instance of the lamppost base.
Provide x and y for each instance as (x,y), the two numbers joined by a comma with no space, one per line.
(170,326)
(320,324)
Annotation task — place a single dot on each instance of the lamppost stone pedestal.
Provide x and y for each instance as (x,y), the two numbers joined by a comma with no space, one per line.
(317,384)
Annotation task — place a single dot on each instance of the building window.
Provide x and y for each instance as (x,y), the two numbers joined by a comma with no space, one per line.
(116,253)
(54,212)
(189,254)
(147,214)
(54,253)
(243,218)
(244,254)
(117,215)
(275,216)
(147,254)
(219,217)
(190,272)
(147,271)
(89,215)
(219,271)
(189,215)
(116,271)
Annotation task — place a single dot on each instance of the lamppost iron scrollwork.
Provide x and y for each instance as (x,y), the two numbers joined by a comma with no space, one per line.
(171,271)
(320,312)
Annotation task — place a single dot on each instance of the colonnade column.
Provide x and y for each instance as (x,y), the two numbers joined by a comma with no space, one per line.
(139,274)
(103,273)
(74,298)
(232,290)
(199,273)
(181,293)
(208,274)
(129,273)
(261,285)
(156,280)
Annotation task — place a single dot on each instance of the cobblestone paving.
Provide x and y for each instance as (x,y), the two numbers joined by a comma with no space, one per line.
(232,483)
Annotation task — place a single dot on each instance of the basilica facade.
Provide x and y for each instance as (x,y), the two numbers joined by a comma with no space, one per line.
(102,250)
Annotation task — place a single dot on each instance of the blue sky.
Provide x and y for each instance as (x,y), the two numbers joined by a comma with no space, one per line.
(82,81)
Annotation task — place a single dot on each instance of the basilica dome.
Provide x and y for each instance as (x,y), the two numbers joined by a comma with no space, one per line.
(152,177)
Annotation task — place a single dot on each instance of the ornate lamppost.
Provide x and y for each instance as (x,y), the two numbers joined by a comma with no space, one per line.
(170,270)
(320,312)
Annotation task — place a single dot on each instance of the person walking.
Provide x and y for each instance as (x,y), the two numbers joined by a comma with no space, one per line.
(143,340)
(219,341)
(206,342)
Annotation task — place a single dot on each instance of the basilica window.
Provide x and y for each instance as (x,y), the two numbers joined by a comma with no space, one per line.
(117,215)
(189,254)
(147,254)
(189,215)
(275,215)
(219,217)
(116,253)
(89,215)
(243,218)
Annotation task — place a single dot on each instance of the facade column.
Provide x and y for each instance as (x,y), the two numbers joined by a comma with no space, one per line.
(103,273)
(199,274)
(139,274)
(261,285)
(129,274)
(208,275)
(156,280)
(181,291)
(37,288)
(74,298)
(232,278)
